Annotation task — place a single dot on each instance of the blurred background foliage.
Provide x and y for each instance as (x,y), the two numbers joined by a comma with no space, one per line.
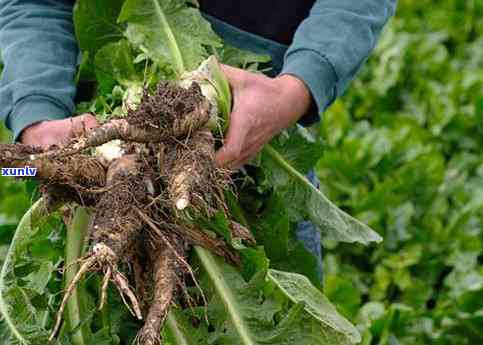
(402,153)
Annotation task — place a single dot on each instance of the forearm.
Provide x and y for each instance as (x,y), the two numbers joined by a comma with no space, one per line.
(39,52)
(332,44)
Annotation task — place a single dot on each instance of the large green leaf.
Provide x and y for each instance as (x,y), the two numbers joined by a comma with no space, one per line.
(283,163)
(31,288)
(276,233)
(22,322)
(243,59)
(274,308)
(171,32)
(96,24)
(299,290)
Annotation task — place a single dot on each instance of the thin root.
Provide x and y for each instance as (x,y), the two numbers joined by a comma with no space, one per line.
(84,268)
(123,286)
(105,284)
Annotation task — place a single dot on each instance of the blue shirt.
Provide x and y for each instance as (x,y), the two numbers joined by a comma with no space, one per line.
(39,52)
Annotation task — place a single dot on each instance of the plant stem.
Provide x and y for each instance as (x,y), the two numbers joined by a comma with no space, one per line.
(76,235)
(280,160)
(172,43)
(225,294)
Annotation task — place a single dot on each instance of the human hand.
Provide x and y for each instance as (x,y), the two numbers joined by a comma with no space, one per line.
(262,108)
(57,132)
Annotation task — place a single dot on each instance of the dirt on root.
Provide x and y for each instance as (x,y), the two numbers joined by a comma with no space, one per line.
(116,222)
(75,178)
(166,272)
(169,103)
(14,152)
(191,173)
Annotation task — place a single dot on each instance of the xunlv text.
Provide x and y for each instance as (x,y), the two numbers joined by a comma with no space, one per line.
(19,172)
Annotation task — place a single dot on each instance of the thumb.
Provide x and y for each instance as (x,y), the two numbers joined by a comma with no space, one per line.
(82,124)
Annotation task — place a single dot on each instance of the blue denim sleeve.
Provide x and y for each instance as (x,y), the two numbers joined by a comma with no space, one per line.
(331,45)
(39,53)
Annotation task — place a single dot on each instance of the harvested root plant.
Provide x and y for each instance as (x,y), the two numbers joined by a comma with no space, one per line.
(163,176)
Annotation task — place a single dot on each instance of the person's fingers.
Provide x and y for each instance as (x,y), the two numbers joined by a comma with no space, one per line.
(247,155)
(231,150)
(234,141)
(46,134)
(82,124)
(90,121)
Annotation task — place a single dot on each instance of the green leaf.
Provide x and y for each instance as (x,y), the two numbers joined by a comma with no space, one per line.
(307,200)
(38,280)
(273,229)
(6,233)
(170,32)
(274,308)
(30,289)
(176,334)
(227,295)
(299,290)
(342,292)
(22,235)
(96,24)
(219,223)
(299,147)
(114,65)
(246,60)
(179,331)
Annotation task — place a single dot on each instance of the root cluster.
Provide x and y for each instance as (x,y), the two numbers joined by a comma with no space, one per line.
(144,200)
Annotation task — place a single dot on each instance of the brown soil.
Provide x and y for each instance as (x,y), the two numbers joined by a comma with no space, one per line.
(169,103)
(115,223)
(192,176)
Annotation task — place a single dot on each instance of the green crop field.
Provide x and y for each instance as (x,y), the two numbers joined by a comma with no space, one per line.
(404,154)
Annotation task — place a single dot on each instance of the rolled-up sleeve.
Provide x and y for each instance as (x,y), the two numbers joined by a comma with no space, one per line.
(39,53)
(332,43)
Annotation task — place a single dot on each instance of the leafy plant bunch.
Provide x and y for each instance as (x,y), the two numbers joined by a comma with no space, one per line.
(149,177)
